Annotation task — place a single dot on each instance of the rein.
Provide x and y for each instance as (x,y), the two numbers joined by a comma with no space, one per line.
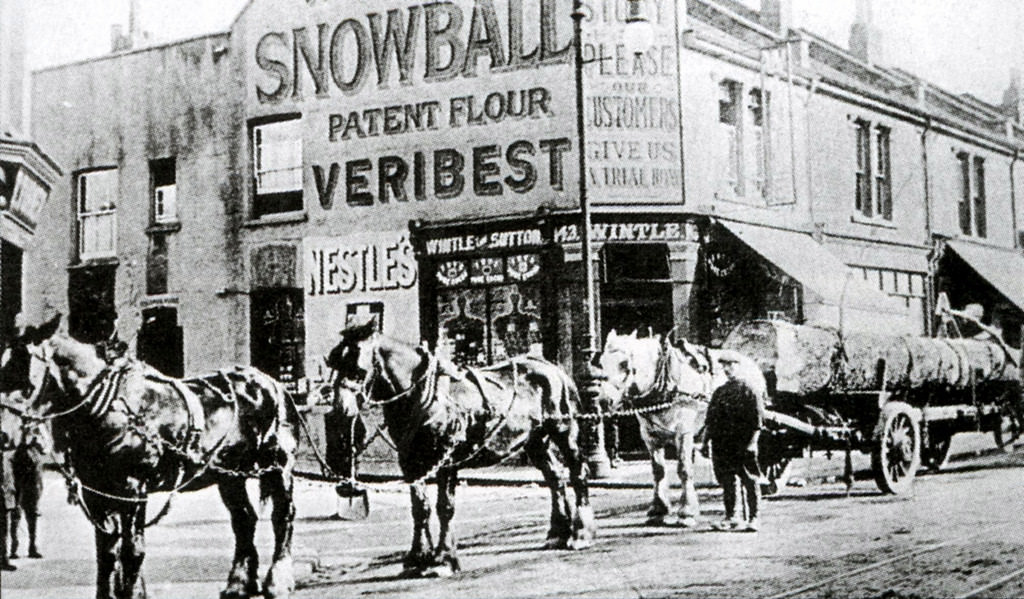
(660,388)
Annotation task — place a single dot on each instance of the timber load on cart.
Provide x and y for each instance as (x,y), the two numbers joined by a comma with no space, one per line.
(899,397)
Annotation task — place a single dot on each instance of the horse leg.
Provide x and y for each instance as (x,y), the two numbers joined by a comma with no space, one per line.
(661,504)
(279,485)
(13,521)
(584,528)
(447,544)
(420,554)
(539,453)
(242,581)
(689,505)
(133,552)
(108,548)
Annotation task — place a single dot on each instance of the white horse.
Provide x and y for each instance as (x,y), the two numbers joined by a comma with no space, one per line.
(671,387)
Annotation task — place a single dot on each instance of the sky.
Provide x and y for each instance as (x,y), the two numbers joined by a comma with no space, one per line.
(964,46)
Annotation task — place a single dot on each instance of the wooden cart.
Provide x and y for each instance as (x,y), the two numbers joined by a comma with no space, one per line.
(899,398)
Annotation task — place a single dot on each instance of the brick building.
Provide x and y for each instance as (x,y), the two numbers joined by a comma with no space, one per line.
(240,197)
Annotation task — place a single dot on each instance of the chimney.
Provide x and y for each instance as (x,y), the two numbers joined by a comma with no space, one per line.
(134,31)
(119,42)
(777,15)
(1013,97)
(865,39)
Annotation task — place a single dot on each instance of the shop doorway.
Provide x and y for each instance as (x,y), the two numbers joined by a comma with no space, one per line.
(277,334)
(91,303)
(636,289)
(10,286)
(161,341)
(636,295)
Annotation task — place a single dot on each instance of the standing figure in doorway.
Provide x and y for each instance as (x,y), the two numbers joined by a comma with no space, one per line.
(733,426)
(28,485)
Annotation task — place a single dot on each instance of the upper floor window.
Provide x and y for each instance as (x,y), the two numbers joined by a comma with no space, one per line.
(730,124)
(758,107)
(277,166)
(165,191)
(874,171)
(97,214)
(971,206)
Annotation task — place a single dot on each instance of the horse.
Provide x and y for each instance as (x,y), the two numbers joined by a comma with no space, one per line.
(127,430)
(443,418)
(671,387)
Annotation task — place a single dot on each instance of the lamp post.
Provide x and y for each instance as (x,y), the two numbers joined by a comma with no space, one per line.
(597,457)
(637,36)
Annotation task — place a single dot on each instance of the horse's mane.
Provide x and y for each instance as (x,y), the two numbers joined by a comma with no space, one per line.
(80,357)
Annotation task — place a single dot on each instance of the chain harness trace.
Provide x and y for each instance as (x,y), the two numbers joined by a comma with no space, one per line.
(208,462)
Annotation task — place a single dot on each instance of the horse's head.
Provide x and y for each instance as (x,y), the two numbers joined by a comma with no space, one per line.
(635,367)
(18,357)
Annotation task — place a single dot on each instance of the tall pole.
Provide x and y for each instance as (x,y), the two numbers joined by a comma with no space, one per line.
(597,458)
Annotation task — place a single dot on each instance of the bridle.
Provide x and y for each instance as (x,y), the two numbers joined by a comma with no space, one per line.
(376,370)
(660,387)
(51,371)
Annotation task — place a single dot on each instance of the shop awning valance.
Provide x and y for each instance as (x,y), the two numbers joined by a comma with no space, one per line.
(826,279)
(1003,268)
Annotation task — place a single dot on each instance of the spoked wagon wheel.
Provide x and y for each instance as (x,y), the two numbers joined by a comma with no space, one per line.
(1010,427)
(897,452)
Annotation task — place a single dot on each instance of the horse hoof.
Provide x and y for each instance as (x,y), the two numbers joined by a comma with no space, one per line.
(688,522)
(440,571)
(556,543)
(670,521)
(280,580)
(580,544)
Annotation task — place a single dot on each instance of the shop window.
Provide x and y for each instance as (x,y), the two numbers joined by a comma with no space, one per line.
(277,330)
(165,191)
(729,123)
(971,207)
(277,167)
(156,265)
(489,308)
(97,214)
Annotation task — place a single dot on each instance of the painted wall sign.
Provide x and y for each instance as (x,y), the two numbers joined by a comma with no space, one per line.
(631,107)
(338,266)
(353,276)
(486,241)
(624,232)
(407,102)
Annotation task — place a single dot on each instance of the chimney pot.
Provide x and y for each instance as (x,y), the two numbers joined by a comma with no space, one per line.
(777,15)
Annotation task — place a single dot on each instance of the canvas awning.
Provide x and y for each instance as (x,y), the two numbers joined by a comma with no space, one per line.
(827,281)
(1003,268)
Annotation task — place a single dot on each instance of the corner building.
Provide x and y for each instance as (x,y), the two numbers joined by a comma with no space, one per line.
(241,197)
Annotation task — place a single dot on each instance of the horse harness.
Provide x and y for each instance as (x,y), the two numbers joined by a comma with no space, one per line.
(662,387)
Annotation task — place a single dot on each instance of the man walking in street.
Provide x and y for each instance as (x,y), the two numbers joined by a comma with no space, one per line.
(733,426)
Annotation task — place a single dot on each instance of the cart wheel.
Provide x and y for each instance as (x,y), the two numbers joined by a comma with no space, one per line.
(1009,430)
(897,454)
(935,455)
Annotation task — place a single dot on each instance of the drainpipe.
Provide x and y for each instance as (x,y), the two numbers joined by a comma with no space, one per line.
(933,263)
(1013,196)
(811,89)
(792,122)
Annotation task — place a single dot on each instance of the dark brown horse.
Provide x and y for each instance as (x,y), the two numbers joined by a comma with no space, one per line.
(127,431)
(443,419)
